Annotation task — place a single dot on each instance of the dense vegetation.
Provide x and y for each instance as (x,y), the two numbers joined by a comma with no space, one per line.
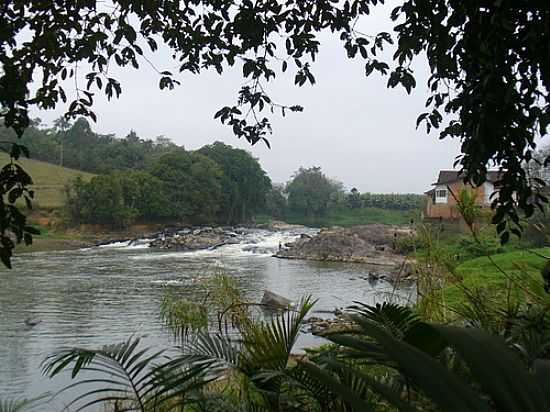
(314,199)
(180,186)
(244,184)
(155,180)
(77,146)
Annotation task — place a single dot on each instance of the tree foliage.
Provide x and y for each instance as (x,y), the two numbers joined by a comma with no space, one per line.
(398,201)
(77,146)
(216,184)
(244,182)
(276,202)
(309,192)
(192,183)
(117,199)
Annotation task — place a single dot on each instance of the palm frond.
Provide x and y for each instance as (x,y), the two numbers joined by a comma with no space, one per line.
(215,353)
(336,386)
(501,375)
(439,384)
(497,369)
(124,373)
(399,321)
(268,345)
(396,319)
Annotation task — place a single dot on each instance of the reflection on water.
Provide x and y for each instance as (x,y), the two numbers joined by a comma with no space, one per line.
(97,296)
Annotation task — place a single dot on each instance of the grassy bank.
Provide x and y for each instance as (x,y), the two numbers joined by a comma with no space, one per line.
(349,217)
(49,181)
(498,275)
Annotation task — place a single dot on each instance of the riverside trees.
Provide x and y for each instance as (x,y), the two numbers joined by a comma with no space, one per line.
(216,184)
(309,192)
(244,183)
(312,198)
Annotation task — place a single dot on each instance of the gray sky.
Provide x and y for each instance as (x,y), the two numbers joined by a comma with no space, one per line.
(354,128)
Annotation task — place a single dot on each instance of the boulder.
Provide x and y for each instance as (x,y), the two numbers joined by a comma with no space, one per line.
(274,301)
(369,244)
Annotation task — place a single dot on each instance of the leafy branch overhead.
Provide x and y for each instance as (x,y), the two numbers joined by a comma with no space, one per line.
(488,61)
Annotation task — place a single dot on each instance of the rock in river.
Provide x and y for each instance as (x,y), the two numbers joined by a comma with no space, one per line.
(274,301)
(370,244)
(196,239)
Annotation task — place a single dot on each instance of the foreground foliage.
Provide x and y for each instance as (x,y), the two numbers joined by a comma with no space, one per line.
(388,356)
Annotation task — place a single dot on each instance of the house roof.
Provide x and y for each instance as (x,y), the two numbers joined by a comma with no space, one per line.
(450,176)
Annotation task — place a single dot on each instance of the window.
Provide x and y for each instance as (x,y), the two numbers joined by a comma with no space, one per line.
(441,195)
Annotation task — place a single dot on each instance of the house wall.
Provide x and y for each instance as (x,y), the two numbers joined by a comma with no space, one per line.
(448,210)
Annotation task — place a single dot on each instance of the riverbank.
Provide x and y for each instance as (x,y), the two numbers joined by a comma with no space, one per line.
(79,237)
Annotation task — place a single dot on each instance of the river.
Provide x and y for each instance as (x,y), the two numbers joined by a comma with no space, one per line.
(101,295)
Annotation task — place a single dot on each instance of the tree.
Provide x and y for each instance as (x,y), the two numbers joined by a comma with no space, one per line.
(192,182)
(488,60)
(244,182)
(117,199)
(103,202)
(354,199)
(275,201)
(309,192)
(61,125)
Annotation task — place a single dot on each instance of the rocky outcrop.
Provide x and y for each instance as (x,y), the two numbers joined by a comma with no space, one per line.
(370,244)
(325,326)
(195,238)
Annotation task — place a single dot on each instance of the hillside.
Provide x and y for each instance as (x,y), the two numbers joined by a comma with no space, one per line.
(49,180)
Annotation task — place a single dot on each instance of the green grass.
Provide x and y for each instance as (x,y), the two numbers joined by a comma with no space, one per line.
(492,274)
(49,181)
(352,217)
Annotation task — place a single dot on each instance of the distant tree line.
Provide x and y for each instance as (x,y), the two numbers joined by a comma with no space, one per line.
(397,201)
(77,146)
(311,194)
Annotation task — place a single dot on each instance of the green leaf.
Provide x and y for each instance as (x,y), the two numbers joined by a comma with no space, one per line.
(440,385)
(331,382)
(496,368)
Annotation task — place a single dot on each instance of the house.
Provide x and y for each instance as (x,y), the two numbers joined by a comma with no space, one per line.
(441,202)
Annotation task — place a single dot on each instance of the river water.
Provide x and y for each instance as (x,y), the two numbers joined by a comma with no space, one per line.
(102,295)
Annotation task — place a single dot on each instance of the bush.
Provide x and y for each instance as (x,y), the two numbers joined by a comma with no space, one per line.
(409,243)
(485,245)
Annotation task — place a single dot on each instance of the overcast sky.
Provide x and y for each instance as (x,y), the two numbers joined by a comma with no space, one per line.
(354,128)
